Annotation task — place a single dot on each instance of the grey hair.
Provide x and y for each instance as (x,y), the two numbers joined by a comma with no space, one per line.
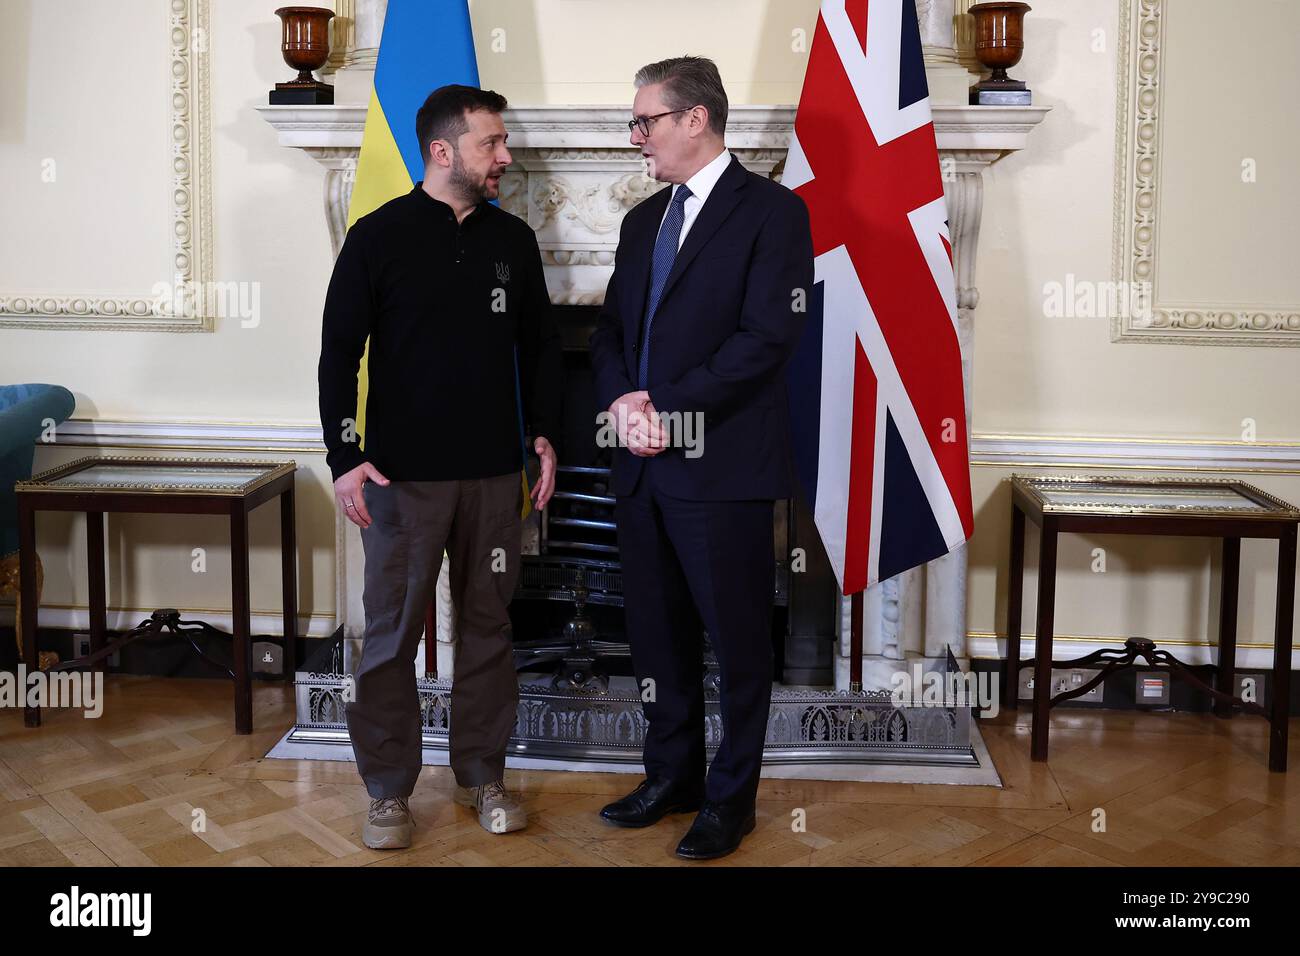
(689,81)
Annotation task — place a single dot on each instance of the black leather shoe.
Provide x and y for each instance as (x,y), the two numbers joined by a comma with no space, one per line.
(651,802)
(717,831)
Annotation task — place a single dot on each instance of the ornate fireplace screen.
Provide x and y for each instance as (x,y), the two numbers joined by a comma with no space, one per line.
(578,698)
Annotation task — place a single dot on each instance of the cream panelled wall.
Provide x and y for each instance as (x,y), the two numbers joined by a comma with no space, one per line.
(104,114)
(1050,215)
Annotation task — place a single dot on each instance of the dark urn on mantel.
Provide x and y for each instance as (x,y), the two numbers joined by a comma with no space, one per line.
(306,47)
(999,43)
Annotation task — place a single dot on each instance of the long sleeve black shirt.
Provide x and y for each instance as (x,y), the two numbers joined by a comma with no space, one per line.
(446,306)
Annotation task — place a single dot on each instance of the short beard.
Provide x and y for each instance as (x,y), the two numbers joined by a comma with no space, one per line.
(463,185)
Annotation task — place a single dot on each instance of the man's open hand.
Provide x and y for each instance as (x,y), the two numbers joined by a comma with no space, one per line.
(545,486)
(348,495)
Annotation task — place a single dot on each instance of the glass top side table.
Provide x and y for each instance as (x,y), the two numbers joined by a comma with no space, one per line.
(214,486)
(1228,510)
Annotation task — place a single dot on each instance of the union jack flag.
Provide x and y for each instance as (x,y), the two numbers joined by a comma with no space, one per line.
(876,394)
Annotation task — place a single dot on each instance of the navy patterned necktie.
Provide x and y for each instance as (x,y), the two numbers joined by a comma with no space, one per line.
(660,265)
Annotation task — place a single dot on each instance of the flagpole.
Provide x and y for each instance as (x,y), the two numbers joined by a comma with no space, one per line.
(855,643)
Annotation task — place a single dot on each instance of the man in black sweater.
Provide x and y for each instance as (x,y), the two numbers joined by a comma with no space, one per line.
(449,290)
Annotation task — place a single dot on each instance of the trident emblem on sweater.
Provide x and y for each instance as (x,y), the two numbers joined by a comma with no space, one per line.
(503,272)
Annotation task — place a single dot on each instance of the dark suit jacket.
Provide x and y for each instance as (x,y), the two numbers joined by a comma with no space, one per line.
(728,321)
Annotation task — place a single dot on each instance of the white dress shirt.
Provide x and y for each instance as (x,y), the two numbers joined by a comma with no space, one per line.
(701,184)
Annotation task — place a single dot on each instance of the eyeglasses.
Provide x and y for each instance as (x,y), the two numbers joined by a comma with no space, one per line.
(644,122)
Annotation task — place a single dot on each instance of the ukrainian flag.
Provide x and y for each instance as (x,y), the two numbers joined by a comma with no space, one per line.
(425,44)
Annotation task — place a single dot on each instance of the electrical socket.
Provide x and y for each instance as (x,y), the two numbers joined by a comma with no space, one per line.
(81,646)
(1064,679)
(1151,688)
(268,658)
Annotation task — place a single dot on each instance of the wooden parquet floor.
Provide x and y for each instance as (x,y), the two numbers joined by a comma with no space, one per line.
(1170,789)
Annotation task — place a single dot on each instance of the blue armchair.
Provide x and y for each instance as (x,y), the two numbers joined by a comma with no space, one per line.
(25,411)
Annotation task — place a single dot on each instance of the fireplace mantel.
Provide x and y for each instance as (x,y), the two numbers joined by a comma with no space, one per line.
(1001,129)
(575,175)
(579,157)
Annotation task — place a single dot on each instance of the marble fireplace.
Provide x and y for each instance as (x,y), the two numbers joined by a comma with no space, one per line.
(574,177)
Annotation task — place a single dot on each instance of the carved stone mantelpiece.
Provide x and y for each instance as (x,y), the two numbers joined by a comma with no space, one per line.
(575,175)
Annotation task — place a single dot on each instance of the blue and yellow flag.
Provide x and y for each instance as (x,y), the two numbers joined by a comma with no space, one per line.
(424,45)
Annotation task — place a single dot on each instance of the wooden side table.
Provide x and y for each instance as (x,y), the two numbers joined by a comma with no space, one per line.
(162,486)
(1230,510)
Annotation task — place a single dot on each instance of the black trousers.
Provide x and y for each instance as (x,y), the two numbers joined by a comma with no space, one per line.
(716,558)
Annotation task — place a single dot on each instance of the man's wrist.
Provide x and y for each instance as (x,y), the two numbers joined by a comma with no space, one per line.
(346,462)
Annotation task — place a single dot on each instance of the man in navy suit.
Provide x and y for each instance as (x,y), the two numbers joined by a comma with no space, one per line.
(703,311)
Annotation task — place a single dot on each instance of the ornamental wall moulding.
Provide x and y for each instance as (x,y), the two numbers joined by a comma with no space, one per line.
(181,302)
(1137,202)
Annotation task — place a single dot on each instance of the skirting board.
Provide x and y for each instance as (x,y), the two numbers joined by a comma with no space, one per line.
(123,619)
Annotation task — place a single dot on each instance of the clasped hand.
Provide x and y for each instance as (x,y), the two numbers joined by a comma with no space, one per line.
(638,424)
